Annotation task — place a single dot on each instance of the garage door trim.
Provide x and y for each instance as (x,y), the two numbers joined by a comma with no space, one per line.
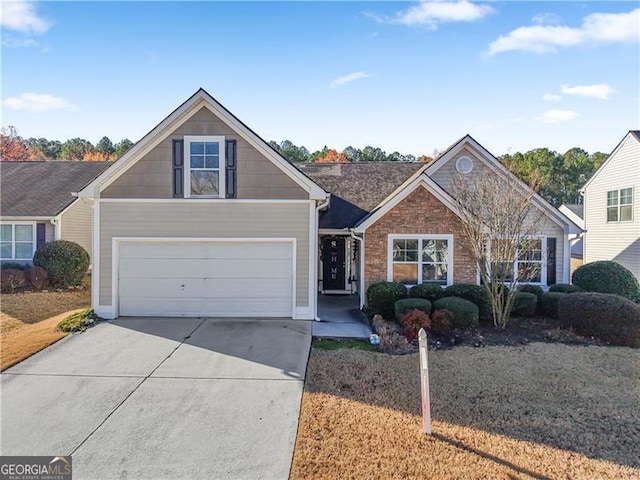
(117,241)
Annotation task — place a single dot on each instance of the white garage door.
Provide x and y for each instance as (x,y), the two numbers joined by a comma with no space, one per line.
(230,279)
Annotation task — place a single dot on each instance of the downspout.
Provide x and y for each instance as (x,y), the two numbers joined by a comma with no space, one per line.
(323,204)
(361,280)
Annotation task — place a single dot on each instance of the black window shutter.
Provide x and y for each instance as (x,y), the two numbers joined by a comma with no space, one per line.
(230,170)
(178,168)
(551,261)
(41,230)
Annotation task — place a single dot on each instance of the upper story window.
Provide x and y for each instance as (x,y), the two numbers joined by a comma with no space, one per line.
(17,241)
(620,205)
(204,159)
(415,259)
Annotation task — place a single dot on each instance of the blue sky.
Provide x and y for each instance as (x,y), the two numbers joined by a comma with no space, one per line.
(404,76)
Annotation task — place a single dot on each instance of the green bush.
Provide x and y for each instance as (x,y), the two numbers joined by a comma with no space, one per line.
(607,277)
(549,303)
(465,313)
(13,265)
(611,318)
(11,280)
(524,304)
(475,294)
(78,322)
(535,289)
(66,262)
(403,305)
(565,288)
(382,296)
(428,291)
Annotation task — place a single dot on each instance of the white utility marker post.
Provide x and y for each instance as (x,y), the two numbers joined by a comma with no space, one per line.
(424,381)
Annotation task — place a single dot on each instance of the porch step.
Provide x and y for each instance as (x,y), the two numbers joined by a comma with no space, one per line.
(341,330)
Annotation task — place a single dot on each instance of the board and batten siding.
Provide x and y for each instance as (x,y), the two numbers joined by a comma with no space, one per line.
(257,176)
(617,241)
(446,173)
(75,224)
(207,220)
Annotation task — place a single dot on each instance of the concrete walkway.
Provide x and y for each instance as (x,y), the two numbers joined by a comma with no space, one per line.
(162,398)
(340,318)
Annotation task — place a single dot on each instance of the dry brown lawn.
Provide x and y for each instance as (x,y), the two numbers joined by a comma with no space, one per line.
(28,321)
(538,411)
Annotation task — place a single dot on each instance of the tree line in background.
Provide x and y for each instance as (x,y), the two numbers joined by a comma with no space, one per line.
(16,148)
(561,175)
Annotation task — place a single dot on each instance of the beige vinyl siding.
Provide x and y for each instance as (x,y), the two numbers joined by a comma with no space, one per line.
(617,241)
(152,175)
(76,224)
(193,219)
(50,232)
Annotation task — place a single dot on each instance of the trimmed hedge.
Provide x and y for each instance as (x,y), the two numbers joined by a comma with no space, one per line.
(13,265)
(565,288)
(11,279)
(428,291)
(607,277)
(535,289)
(66,262)
(524,304)
(37,277)
(405,304)
(475,294)
(549,304)
(465,313)
(382,296)
(611,318)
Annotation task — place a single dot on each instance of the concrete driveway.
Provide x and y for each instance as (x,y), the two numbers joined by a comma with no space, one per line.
(162,398)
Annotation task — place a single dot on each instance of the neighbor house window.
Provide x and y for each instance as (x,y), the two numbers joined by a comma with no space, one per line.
(620,205)
(17,241)
(415,259)
(529,266)
(204,158)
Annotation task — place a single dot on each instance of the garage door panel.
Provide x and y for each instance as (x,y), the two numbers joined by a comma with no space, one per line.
(205,268)
(187,279)
(196,307)
(196,250)
(202,288)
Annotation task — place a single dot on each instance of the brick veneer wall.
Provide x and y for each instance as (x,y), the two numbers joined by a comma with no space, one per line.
(419,213)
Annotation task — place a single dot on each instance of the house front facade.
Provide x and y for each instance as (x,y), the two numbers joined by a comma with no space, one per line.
(203,218)
(611,199)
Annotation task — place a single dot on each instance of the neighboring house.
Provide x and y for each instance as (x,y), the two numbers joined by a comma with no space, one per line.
(575,212)
(203,218)
(37,206)
(611,199)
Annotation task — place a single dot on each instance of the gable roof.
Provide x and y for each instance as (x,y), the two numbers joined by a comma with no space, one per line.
(631,133)
(356,188)
(576,208)
(43,189)
(176,118)
(496,166)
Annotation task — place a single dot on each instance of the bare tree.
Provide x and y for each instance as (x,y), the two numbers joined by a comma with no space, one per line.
(502,226)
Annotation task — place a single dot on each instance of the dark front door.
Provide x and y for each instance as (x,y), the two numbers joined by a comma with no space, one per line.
(333,264)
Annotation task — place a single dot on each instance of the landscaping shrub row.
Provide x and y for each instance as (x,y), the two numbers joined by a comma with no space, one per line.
(59,264)
(607,277)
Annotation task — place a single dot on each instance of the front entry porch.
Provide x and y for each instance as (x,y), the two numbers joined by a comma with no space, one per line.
(340,317)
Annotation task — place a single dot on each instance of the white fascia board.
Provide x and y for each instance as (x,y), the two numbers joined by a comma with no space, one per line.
(422,181)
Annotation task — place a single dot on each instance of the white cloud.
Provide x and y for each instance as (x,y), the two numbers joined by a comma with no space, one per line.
(338,82)
(22,17)
(13,42)
(557,116)
(431,13)
(551,97)
(596,28)
(546,19)
(601,91)
(37,102)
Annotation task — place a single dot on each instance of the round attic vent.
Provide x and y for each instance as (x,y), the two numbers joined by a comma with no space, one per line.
(464,165)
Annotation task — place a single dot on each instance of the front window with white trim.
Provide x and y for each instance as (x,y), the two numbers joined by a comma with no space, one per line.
(415,259)
(530,264)
(17,241)
(620,205)
(204,160)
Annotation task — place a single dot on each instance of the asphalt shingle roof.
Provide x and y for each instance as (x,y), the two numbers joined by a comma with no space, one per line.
(356,188)
(578,209)
(43,189)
